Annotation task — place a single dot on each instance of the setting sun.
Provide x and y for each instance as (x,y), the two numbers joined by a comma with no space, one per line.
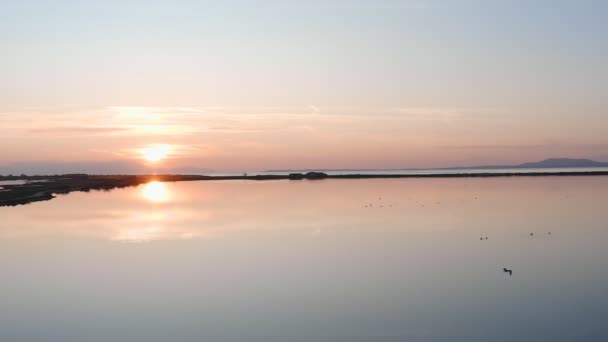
(155,153)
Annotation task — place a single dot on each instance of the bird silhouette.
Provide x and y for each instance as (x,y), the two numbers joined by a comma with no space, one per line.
(508,271)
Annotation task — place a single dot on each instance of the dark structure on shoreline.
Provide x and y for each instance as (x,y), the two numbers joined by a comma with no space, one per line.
(309,175)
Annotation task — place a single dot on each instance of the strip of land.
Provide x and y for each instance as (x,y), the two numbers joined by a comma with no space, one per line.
(44,188)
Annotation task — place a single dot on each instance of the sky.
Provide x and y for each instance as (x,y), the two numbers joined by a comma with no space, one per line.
(190,86)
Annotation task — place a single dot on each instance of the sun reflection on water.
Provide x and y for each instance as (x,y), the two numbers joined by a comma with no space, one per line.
(145,234)
(156,192)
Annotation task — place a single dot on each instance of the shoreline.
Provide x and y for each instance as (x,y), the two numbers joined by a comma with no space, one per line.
(45,188)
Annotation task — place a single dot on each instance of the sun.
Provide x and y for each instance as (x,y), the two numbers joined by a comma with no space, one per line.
(156,153)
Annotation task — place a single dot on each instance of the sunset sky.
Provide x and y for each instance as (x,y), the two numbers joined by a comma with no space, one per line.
(185,86)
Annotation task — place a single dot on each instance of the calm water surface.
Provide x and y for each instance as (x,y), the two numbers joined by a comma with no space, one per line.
(331,260)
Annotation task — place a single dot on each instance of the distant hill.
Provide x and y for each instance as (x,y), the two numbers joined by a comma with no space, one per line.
(547,163)
(564,162)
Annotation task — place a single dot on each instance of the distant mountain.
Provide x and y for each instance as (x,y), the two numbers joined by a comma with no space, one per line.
(563,162)
(547,164)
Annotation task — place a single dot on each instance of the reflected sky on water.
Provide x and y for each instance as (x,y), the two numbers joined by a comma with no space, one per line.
(331,260)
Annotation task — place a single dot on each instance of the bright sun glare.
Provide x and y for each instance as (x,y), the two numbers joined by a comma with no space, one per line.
(156,153)
(155,192)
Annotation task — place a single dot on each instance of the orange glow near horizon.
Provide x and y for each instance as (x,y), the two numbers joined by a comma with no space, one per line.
(155,153)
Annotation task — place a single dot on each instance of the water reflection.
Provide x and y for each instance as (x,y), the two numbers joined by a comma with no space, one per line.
(144,234)
(160,211)
(142,226)
(156,192)
(335,260)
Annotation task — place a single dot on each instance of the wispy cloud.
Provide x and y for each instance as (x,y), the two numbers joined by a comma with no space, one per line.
(80,130)
(260,137)
(314,109)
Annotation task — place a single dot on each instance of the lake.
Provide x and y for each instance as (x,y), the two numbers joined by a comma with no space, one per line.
(330,260)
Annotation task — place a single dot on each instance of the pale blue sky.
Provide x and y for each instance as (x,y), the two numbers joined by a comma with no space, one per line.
(527,72)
